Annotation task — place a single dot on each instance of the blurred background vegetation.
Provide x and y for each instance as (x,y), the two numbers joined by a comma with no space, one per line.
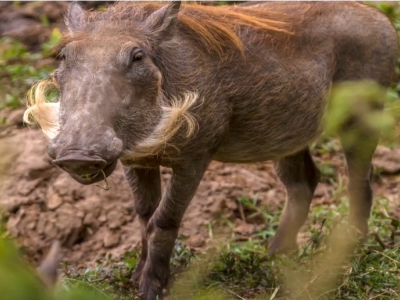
(231,269)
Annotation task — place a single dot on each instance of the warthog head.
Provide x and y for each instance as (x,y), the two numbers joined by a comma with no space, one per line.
(111,102)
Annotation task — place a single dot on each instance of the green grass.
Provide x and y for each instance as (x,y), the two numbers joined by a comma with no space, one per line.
(19,69)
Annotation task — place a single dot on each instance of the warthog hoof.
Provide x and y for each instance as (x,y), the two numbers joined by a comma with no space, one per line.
(280,245)
(153,286)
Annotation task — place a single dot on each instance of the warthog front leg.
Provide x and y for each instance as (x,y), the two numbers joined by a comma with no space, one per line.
(163,227)
(300,177)
(146,188)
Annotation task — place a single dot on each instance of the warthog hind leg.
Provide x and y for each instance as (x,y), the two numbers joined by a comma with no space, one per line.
(300,177)
(360,172)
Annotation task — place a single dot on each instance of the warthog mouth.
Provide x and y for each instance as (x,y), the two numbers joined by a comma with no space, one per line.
(87,179)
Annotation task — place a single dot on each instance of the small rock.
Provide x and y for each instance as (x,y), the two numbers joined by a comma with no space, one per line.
(12,225)
(111,239)
(271,194)
(53,199)
(196,241)
(31,225)
(321,190)
(387,160)
(28,187)
(231,204)
(89,219)
(102,219)
(243,228)
(115,219)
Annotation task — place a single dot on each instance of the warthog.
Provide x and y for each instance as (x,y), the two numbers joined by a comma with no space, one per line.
(155,84)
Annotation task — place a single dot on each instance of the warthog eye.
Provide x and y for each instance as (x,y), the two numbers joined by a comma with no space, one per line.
(137,56)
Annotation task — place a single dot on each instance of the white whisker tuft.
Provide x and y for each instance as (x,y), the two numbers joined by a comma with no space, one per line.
(175,116)
(40,110)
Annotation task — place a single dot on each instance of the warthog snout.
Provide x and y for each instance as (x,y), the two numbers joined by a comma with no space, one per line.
(87,159)
(80,164)
(85,169)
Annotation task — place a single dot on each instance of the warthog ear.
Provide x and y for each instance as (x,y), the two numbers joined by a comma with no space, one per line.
(47,270)
(162,22)
(75,17)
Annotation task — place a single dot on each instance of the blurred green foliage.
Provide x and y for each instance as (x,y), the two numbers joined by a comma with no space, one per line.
(17,279)
(360,103)
(19,68)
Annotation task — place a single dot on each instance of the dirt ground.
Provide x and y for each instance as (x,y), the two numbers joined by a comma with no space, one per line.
(42,203)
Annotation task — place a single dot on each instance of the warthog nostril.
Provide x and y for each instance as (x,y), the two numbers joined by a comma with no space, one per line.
(80,164)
